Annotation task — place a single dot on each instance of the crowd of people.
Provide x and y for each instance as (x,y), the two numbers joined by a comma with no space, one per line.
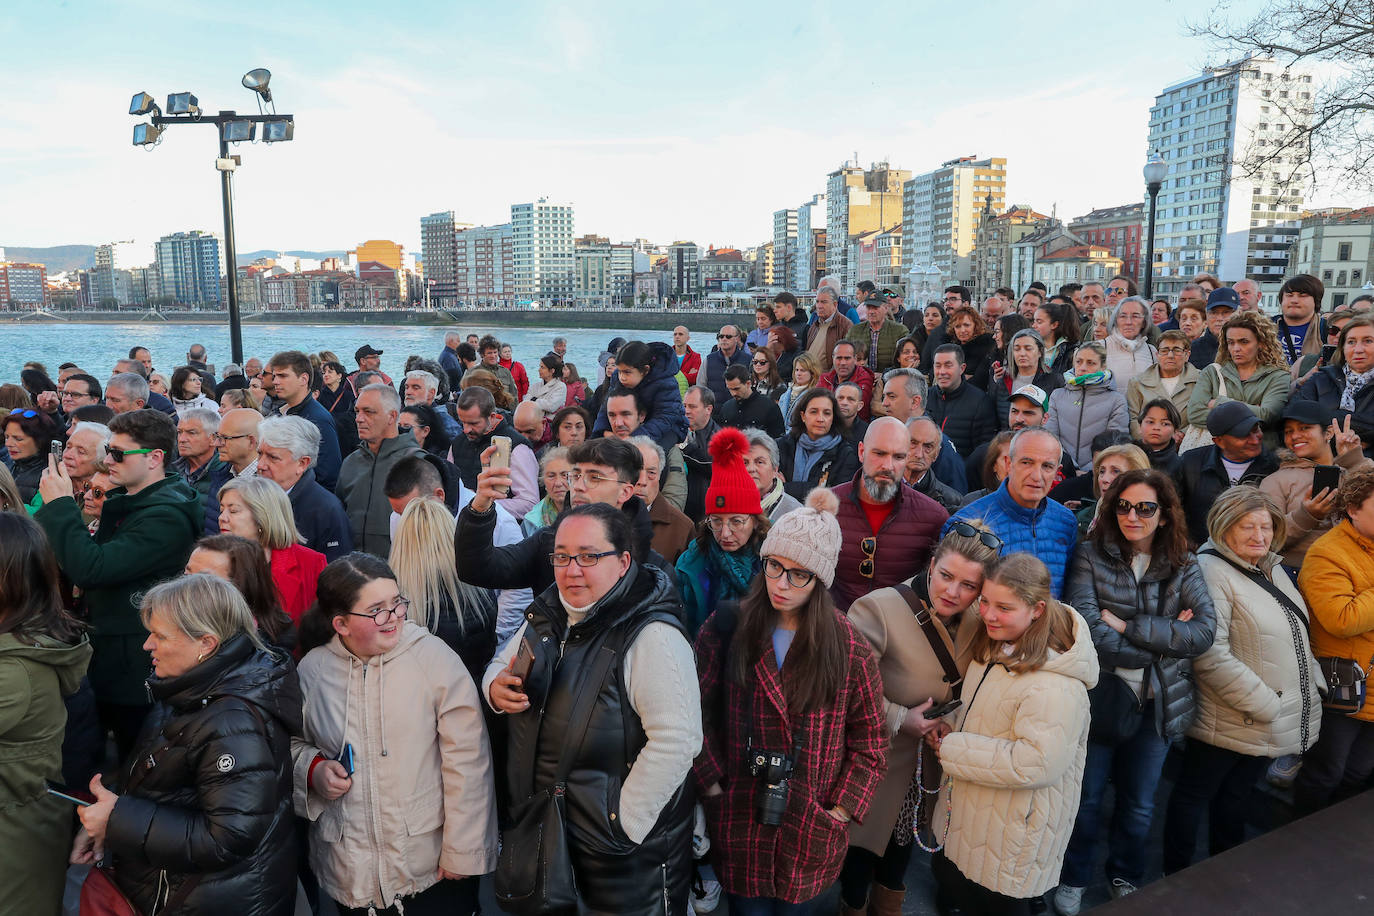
(747,621)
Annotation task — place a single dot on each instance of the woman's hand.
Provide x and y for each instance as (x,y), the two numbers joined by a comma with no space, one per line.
(505,692)
(915,723)
(839,814)
(1346,440)
(331,780)
(1320,506)
(1185,615)
(936,736)
(83,849)
(96,817)
(997,372)
(1113,621)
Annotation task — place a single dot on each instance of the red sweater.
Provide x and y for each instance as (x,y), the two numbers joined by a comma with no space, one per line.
(295,570)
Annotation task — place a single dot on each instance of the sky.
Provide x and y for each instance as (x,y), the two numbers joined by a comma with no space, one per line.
(662,121)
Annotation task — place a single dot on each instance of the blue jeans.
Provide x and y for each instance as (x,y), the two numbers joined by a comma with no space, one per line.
(1134,767)
(767,906)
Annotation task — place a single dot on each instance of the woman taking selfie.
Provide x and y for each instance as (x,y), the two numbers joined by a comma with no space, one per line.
(393,772)
(916,678)
(202,822)
(1344,385)
(623,746)
(1142,594)
(1014,762)
(795,742)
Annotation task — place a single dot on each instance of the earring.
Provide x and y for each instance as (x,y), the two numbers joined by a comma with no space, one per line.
(200,658)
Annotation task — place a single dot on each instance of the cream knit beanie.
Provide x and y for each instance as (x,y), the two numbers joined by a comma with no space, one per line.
(809,536)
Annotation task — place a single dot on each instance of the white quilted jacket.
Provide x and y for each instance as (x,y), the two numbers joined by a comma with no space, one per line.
(1016,769)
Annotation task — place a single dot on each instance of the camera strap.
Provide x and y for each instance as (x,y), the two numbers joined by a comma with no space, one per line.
(749,741)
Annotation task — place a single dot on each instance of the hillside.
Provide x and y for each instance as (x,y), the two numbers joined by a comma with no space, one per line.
(57,259)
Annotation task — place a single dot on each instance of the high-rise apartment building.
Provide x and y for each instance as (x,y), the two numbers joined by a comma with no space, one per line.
(439,251)
(765,265)
(941,211)
(810,262)
(543,250)
(785,249)
(484,265)
(1211,214)
(859,201)
(683,277)
(111,280)
(23,285)
(604,274)
(188,265)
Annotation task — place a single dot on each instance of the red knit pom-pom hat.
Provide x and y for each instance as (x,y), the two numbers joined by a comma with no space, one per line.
(731,491)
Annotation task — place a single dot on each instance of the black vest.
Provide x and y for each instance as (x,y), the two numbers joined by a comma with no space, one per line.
(613,874)
(467,455)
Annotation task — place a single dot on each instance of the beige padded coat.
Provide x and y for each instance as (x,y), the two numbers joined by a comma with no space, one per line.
(911,675)
(1257,686)
(1015,768)
(422,794)
(1291,486)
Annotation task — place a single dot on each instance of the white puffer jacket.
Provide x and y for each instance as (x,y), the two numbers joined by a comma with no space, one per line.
(1257,686)
(1016,769)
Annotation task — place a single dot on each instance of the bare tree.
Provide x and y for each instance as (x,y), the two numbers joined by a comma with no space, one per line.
(1331,133)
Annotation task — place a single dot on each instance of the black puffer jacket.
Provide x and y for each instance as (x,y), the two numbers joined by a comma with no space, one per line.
(216,801)
(966,414)
(1155,639)
(838,465)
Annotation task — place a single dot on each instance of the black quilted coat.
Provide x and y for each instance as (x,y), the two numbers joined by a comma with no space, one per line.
(1154,639)
(210,789)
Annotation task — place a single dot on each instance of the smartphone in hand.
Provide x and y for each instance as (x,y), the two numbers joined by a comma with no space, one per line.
(346,758)
(523,663)
(66,794)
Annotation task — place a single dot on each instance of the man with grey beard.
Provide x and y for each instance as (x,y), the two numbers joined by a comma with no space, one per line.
(889,529)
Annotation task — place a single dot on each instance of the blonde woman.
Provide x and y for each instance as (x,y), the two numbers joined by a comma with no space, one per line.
(422,555)
(257,509)
(1250,367)
(1014,761)
(1108,465)
(806,373)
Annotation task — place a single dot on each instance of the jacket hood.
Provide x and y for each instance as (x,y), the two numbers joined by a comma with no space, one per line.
(170,493)
(265,678)
(1080,661)
(67,660)
(664,364)
(411,634)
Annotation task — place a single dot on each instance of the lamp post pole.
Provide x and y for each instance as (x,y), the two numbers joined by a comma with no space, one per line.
(1155,169)
(226,185)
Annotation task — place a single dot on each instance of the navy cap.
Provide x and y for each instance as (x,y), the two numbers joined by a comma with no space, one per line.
(1309,413)
(1231,418)
(1225,297)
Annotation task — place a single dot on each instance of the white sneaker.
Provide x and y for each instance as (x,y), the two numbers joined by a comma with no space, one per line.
(708,898)
(1068,900)
(1121,888)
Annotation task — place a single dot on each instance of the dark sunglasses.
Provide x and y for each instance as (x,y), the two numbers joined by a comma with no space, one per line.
(97,492)
(986,538)
(1142,510)
(117,455)
(869,546)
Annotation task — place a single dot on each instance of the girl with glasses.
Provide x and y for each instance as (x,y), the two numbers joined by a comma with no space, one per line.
(914,682)
(795,741)
(1140,589)
(393,770)
(723,561)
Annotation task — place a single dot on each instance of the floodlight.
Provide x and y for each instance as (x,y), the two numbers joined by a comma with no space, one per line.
(141,104)
(279,130)
(182,103)
(146,134)
(257,80)
(237,131)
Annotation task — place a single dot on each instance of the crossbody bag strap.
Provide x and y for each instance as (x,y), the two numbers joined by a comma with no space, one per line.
(1284,601)
(928,627)
(581,715)
(1221,380)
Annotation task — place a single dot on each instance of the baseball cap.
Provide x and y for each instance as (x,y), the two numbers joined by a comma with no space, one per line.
(366,350)
(894,289)
(1231,418)
(1035,394)
(1225,297)
(1308,413)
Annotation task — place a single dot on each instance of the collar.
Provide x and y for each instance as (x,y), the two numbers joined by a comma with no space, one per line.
(251,470)
(1013,507)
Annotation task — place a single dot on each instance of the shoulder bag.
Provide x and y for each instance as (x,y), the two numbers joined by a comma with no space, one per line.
(1198,436)
(534,872)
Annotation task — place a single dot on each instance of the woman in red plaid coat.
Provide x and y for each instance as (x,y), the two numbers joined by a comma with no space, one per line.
(792,706)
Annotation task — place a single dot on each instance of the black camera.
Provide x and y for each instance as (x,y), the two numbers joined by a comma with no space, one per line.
(773,770)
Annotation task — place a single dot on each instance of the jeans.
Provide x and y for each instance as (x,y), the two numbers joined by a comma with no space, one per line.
(767,906)
(862,868)
(1337,766)
(447,898)
(1218,782)
(1134,768)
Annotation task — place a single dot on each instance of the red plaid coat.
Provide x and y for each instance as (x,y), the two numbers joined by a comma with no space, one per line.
(843,756)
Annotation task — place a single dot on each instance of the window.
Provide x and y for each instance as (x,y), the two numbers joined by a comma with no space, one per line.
(1343,251)
(1337,300)
(1356,276)
(1326,276)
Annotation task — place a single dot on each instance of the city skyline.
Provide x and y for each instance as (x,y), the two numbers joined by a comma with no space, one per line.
(704,138)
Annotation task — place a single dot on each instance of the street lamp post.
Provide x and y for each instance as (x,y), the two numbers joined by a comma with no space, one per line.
(183,108)
(1155,170)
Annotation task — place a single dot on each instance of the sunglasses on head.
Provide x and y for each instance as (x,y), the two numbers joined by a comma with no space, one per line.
(25,413)
(117,455)
(986,538)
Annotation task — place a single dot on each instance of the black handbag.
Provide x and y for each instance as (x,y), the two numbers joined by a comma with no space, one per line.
(534,872)
(1116,710)
(1345,684)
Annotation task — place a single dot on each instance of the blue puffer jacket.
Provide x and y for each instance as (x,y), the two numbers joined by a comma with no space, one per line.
(1049,532)
(665,421)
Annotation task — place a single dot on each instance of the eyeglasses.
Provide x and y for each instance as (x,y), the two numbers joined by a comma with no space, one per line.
(735,523)
(583,559)
(1175,351)
(26,414)
(97,492)
(75,394)
(869,546)
(587,478)
(986,538)
(1142,510)
(384,615)
(216,437)
(404,429)
(797,578)
(117,455)
(725,337)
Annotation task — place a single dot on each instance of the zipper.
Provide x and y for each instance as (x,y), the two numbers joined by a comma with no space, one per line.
(374,832)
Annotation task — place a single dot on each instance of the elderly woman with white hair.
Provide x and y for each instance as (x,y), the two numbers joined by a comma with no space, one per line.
(1129,351)
(85,451)
(257,509)
(288,448)
(202,822)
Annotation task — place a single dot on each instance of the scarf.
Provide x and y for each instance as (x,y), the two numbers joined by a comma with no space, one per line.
(809,451)
(731,573)
(1354,383)
(1130,346)
(1052,354)
(774,494)
(1101,376)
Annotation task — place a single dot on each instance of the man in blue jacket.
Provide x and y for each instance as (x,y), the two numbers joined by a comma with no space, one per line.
(287,449)
(1020,511)
(290,371)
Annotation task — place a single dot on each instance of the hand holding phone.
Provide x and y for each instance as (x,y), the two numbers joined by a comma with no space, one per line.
(500,459)
(66,794)
(507,690)
(56,448)
(330,780)
(345,759)
(944,709)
